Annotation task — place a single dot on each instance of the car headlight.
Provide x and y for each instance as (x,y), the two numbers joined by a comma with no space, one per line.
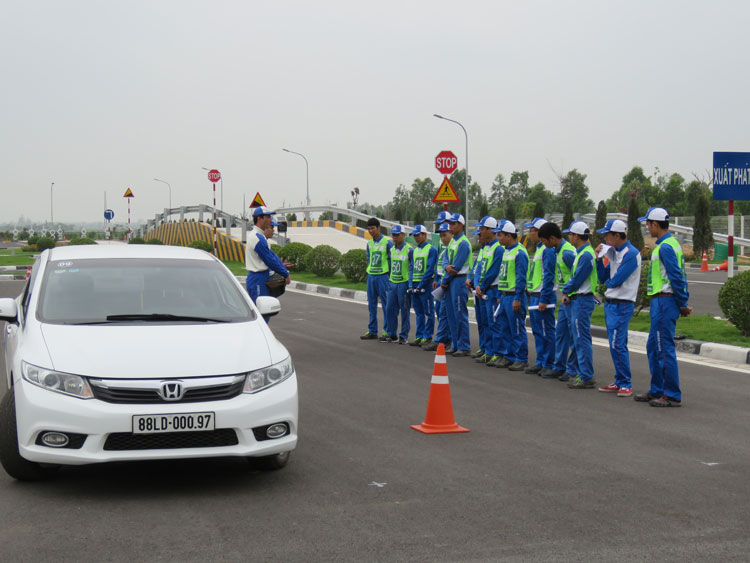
(266,377)
(65,383)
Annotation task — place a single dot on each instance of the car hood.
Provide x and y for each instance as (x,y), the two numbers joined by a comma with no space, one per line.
(153,351)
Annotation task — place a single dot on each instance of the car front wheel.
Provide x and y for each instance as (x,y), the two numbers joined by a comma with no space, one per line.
(16,466)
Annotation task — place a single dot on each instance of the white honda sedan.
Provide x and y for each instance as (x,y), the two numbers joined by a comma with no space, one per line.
(139,352)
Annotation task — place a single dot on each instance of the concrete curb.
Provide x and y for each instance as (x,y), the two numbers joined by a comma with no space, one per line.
(712,350)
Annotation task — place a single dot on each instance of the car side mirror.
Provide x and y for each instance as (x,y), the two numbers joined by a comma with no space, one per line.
(9,310)
(268,306)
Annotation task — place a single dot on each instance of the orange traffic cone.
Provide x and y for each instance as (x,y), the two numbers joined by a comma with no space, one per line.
(723,268)
(439,418)
(704,262)
(28,272)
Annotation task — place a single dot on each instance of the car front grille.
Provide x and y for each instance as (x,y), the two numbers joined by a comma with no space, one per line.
(122,441)
(112,394)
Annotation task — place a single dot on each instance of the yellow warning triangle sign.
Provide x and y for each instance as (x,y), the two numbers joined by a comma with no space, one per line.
(446,193)
(257,201)
(128,193)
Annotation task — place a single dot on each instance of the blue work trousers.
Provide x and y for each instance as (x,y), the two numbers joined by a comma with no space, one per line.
(581,309)
(256,286)
(543,329)
(458,314)
(443,330)
(496,343)
(377,288)
(617,316)
(513,328)
(424,310)
(660,348)
(565,355)
(483,325)
(397,302)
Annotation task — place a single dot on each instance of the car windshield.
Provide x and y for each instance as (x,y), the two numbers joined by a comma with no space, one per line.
(128,290)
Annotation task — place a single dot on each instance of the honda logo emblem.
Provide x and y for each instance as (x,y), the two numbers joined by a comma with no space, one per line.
(171,390)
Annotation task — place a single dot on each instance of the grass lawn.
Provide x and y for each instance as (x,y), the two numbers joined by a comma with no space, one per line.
(17,260)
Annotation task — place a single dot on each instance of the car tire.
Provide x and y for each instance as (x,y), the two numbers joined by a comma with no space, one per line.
(11,460)
(270,462)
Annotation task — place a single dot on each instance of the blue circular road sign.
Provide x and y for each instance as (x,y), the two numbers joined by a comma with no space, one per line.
(109,214)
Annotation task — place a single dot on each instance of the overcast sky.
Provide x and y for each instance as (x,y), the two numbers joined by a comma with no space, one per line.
(101,96)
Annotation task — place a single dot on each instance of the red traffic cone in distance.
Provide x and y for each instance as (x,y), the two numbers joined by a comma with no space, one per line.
(439,417)
(704,262)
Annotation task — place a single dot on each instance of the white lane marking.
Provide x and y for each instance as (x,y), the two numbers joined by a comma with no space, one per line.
(706,282)
(378,485)
(688,358)
(710,463)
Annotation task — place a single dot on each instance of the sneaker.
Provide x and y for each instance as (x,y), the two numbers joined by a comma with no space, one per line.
(533,370)
(425,341)
(481,359)
(565,377)
(416,342)
(492,361)
(449,351)
(430,346)
(644,397)
(368,336)
(550,374)
(665,401)
(503,363)
(383,338)
(624,392)
(518,366)
(477,353)
(578,383)
(611,388)
(401,340)
(461,353)
(388,339)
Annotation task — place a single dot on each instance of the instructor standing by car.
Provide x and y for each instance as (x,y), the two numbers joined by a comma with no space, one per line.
(259,258)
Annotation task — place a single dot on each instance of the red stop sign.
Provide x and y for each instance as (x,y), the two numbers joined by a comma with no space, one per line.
(446,162)
(214,176)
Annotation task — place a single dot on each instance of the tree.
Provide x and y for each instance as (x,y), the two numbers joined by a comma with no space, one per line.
(422,192)
(484,210)
(538,209)
(634,227)
(510,212)
(599,222)
(634,184)
(497,191)
(573,189)
(703,238)
(417,217)
(673,195)
(567,215)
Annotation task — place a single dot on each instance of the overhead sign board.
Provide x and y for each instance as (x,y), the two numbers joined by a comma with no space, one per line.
(446,162)
(731,176)
(257,201)
(446,193)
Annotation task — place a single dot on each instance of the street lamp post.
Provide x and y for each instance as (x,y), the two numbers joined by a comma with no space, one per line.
(307,176)
(466,135)
(170,191)
(51,215)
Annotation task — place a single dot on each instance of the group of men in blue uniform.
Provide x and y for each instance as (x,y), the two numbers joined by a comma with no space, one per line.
(506,284)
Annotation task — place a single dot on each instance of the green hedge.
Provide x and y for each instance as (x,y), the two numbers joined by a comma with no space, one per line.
(80,241)
(295,253)
(323,260)
(43,243)
(354,265)
(734,300)
(202,245)
(136,240)
(154,241)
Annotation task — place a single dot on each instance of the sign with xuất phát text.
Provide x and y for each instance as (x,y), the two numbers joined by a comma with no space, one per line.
(731,176)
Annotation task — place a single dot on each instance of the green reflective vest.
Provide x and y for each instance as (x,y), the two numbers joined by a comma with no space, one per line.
(534,279)
(506,280)
(378,256)
(657,275)
(420,256)
(400,264)
(561,270)
(489,257)
(441,252)
(592,283)
(453,248)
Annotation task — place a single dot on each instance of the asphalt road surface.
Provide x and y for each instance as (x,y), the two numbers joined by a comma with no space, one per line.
(546,473)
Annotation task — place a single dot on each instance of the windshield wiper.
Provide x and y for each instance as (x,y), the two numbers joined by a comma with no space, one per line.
(156,317)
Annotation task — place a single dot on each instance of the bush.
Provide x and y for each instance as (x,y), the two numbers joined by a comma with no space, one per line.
(81,240)
(734,300)
(44,243)
(154,241)
(33,239)
(202,245)
(295,253)
(323,260)
(136,240)
(29,248)
(354,265)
